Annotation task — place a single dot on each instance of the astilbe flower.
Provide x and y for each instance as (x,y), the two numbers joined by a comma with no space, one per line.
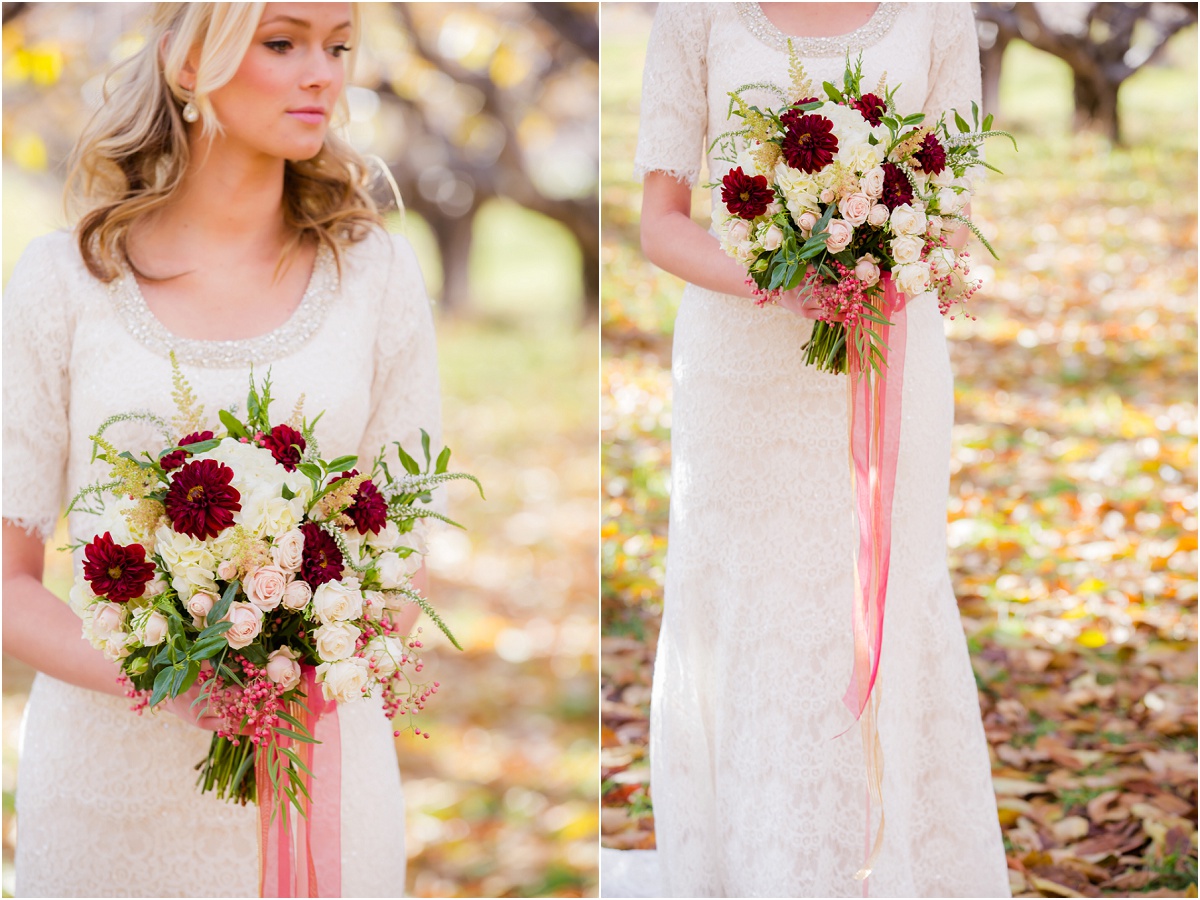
(896,189)
(931,155)
(746,196)
(116,571)
(322,560)
(286,444)
(177,458)
(201,500)
(872,107)
(808,141)
(369,509)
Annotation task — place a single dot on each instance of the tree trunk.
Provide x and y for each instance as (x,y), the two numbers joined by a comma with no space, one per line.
(990,60)
(1096,105)
(591,282)
(454,246)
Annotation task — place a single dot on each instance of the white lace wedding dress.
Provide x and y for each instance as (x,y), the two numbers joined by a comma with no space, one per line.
(106,802)
(752,794)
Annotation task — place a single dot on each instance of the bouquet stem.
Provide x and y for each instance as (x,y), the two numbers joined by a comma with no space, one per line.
(826,347)
(225,768)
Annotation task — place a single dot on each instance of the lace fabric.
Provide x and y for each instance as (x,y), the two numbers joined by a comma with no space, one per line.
(105,798)
(753,795)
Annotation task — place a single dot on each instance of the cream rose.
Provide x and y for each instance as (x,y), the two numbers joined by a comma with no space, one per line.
(912,279)
(872,182)
(867,269)
(116,646)
(840,233)
(774,208)
(335,601)
(395,601)
(283,669)
(334,642)
(772,238)
(151,630)
(296,595)
(345,680)
(81,597)
(265,586)
(247,622)
(942,260)
(934,228)
(738,232)
(288,550)
(807,222)
(855,208)
(373,605)
(383,654)
(107,619)
(200,604)
(906,248)
(394,570)
(878,215)
(907,219)
(387,538)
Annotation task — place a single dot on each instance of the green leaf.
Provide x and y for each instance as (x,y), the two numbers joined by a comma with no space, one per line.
(961,122)
(443,461)
(216,628)
(247,762)
(207,648)
(975,112)
(294,721)
(425,447)
(987,122)
(162,684)
(831,91)
(189,677)
(777,276)
(296,761)
(410,464)
(233,426)
(342,464)
(254,653)
(287,493)
(221,607)
(295,735)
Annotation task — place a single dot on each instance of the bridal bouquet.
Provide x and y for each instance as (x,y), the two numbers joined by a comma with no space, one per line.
(839,192)
(237,559)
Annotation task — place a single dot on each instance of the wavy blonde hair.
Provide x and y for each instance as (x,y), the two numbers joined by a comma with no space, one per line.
(133,154)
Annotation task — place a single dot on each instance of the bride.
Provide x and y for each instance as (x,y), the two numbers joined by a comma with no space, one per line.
(752,794)
(221,220)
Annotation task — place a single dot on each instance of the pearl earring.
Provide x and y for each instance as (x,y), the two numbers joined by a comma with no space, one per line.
(190,113)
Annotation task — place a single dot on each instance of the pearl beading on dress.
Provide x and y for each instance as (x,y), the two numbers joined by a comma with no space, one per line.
(304,322)
(862,37)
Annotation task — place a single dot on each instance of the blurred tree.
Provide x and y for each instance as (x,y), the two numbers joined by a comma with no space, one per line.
(1103,43)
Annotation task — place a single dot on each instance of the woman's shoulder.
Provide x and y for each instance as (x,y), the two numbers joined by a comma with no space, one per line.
(384,258)
(48,273)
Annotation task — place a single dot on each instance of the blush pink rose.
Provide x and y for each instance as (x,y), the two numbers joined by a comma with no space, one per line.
(855,208)
(867,269)
(265,586)
(878,215)
(297,594)
(806,222)
(872,182)
(247,622)
(283,669)
(200,604)
(840,233)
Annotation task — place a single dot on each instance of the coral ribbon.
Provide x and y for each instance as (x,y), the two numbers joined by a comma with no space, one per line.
(874,422)
(305,860)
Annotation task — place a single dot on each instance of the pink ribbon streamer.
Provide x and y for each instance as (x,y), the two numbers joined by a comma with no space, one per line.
(311,865)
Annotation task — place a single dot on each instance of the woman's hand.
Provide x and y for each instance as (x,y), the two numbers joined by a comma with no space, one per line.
(199,715)
(799,300)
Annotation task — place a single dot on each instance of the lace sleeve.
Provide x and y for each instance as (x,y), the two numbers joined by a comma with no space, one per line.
(674,111)
(954,76)
(37,349)
(405,396)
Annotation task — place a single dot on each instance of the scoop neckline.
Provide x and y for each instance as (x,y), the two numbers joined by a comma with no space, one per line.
(870,31)
(295,330)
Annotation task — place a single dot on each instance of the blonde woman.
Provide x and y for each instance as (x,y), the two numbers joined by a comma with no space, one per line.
(221,219)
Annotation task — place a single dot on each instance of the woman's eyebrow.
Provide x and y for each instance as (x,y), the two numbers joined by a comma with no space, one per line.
(302,23)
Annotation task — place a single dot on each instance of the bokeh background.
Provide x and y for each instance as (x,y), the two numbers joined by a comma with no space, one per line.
(487,117)
(1072,510)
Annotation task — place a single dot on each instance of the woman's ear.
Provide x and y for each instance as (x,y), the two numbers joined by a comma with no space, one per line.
(187,73)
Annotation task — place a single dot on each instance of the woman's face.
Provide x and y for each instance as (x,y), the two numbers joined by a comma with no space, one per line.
(280,100)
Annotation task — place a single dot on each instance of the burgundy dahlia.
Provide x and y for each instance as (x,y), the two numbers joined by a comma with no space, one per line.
(746,196)
(369,510)
(896,189)
(118,572)
(808,141)
(872,107)
(931,155)
(201,501)
(322,560)
(176,458)
(286,445)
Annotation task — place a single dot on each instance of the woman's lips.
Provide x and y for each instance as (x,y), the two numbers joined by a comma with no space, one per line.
(311,115)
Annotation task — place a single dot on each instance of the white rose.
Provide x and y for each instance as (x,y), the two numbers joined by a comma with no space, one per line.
(336,602)
(373,605)
(867,269)
(296,595)
(772,238)
(334,642)
(81,596)
(840,233)
(907,219)
(878,215)
(738,232)
(855,208)
(394,570)
(912,279)
(942,178)
(416,538)
(395,601)
(907,248)
(872,182)
(247,622)
(107,620)
(383,655)
(951,203)
(345,680)
(200,604)
(265,586)
(387,538)
(934,228)
(116,646)
(283,669)
(774,208)
(151,630)
(941,260)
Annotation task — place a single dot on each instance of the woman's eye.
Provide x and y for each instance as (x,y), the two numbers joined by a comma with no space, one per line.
(339,49)
(278,46)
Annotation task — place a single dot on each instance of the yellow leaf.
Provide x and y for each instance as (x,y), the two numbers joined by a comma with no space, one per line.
(1092,638)
(29,152)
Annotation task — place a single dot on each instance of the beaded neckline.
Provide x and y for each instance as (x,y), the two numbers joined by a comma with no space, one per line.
(299,328)
(870,32)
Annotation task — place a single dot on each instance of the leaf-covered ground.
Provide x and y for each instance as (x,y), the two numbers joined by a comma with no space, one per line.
(502,799)
(1072,513)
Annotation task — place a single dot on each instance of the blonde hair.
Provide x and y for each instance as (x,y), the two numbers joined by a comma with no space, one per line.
(133,154)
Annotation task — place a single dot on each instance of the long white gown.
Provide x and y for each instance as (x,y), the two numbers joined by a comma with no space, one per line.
(752,794)
(106,799)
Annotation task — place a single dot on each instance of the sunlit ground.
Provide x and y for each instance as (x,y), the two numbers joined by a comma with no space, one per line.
(502,799)
(1072,512)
